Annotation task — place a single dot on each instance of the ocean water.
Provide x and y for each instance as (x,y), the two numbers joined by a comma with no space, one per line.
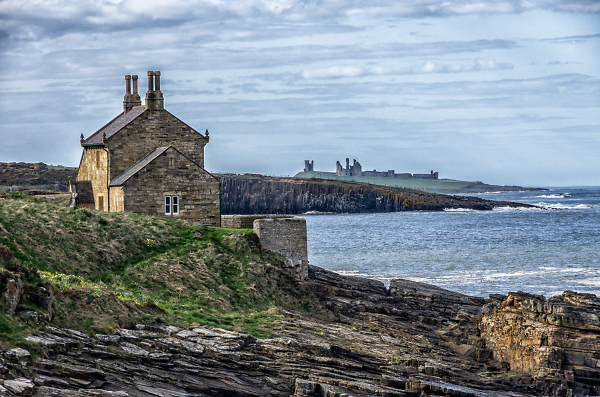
(542,251)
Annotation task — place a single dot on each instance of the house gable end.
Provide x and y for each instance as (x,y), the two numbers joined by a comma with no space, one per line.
(114,126)
(166,176)
(147,160)
(192,130)
(149,130)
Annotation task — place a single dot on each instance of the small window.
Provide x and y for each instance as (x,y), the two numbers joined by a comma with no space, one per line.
(175,205)
(167,205)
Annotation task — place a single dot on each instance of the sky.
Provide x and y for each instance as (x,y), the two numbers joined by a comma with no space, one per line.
(499,91)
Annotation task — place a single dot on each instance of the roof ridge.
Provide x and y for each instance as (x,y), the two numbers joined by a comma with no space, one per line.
(115,125)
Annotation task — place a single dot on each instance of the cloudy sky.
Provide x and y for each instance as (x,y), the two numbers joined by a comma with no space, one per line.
(502,91)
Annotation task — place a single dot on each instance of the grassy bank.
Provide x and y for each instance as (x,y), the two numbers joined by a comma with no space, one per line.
(113,269)
(444,186)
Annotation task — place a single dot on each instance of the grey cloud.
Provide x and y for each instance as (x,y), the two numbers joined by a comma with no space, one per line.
(109,60)
(293,108)
(555,91)
(25,21)
(573,39)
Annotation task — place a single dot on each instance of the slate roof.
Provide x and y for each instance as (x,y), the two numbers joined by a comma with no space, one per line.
(144,161)
(114,126)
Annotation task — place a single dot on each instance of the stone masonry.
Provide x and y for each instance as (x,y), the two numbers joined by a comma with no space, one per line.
(245,221)
(171,173)
(286,236)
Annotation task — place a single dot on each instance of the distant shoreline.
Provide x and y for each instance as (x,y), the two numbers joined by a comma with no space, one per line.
(444,186)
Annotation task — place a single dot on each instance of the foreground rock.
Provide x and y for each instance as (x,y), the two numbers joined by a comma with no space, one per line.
(410,339)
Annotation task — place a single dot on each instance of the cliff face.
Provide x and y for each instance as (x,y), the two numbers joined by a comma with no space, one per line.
(556,339)
(262,195)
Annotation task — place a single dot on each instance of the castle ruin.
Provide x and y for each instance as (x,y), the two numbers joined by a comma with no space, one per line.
(309,165)
(356,170)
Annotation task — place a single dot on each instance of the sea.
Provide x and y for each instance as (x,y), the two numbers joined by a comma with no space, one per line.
(545,250)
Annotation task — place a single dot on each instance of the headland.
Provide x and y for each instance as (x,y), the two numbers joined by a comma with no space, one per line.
(429,182)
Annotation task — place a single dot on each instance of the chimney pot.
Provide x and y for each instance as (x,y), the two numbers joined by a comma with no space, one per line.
(128,84)
(157,81)
(135,84)
(154,98)
(150,81)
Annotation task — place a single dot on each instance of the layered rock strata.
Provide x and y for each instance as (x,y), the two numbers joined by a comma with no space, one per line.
(262,195)
(409,339)
(556,340)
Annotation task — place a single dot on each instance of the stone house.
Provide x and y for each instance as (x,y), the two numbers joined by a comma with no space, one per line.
(149,162)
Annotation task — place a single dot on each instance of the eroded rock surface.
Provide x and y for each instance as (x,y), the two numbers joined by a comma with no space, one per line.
(410,339)
(556,340)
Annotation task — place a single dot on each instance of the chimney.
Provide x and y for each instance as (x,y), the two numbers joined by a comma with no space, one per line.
(131,100)
(135,96)
(127,100)
(154,98)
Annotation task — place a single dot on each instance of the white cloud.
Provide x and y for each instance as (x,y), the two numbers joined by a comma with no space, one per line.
(335,72)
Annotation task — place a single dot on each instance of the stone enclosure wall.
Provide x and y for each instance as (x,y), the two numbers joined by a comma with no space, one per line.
(286,236)
(244,221)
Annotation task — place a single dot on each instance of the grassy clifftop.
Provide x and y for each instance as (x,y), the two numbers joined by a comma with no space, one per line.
(113,269)
(443,186)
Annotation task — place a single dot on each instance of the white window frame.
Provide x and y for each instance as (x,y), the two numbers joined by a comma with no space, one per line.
(172,204)
(175,205)
(167,205)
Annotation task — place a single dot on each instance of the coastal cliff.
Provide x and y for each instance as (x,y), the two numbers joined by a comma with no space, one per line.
(253,194)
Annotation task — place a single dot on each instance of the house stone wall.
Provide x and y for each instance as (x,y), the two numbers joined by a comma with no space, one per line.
(286,236)
(152,129)
(117,199)
(175,175)
(93,168)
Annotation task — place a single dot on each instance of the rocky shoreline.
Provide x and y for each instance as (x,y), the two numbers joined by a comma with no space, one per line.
(410,339)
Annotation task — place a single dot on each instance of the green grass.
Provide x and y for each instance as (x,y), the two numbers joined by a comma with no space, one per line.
(447,186)
(116,269)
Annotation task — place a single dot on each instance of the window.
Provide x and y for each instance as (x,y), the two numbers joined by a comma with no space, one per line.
(171,205)
(175,205)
